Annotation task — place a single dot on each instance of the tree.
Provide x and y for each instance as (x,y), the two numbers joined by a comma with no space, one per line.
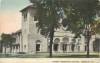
(77,16)
(48,15)
(7,41)
(81,16)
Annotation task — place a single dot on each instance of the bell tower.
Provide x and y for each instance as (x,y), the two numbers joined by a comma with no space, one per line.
(28,28)
(30,34)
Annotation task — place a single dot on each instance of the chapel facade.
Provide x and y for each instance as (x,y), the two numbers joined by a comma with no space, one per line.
(63,40)
(28,39)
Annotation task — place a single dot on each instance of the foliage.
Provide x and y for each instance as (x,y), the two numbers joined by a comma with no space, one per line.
(82,13)
(77,16)
(7,39)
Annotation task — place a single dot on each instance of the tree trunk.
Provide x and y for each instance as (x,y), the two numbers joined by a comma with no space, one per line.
(88,51)
(88,37)
(51,39)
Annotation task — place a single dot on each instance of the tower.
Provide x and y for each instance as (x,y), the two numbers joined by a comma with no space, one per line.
(32,40)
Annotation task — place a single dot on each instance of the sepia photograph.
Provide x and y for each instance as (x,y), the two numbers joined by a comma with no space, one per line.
(50,29)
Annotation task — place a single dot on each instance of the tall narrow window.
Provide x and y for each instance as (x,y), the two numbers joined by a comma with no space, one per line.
(25,16)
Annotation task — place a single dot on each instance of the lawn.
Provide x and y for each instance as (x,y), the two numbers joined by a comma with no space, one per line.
(46,55)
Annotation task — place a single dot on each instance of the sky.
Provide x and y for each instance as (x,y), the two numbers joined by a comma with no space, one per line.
(10,15)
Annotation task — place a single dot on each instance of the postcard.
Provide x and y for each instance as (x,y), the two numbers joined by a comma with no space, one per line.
(50,31)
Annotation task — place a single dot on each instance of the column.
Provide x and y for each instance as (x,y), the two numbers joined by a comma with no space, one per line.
(59,47)
(68,48)
(12,49)
(15,49)
(3,50)
(75,48)
(19,48)
(91,44)
(91,47)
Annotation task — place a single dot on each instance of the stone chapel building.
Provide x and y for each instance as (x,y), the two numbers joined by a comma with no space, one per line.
(28,40)
(33,42)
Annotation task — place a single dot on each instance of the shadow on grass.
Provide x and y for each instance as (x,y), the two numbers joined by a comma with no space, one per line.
(76,56)
(45,56)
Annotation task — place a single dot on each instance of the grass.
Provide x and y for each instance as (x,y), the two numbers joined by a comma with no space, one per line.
(46,55)
(76,56)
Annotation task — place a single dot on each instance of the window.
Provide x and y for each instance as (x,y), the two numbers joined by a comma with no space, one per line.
(25,16)
(55,47)
(37,47)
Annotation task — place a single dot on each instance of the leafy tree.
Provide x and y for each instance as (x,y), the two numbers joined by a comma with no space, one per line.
(48,15)
(81,16)
(7,41)
(77,16)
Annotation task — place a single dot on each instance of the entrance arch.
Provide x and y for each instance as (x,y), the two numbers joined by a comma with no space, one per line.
(65,44)
(38,45)
(56,44)
(96,45)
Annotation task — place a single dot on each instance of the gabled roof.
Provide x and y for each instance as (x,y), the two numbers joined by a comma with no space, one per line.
(30,6)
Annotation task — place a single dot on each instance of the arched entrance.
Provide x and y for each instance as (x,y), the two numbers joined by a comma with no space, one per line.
(56,44)
(96,45)
(38,45)
(65,44)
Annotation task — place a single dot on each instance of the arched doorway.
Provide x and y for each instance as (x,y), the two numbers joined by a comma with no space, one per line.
(38,45)
(72,47)
(56,44)
(65,44)
(73,44)
(96,45)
